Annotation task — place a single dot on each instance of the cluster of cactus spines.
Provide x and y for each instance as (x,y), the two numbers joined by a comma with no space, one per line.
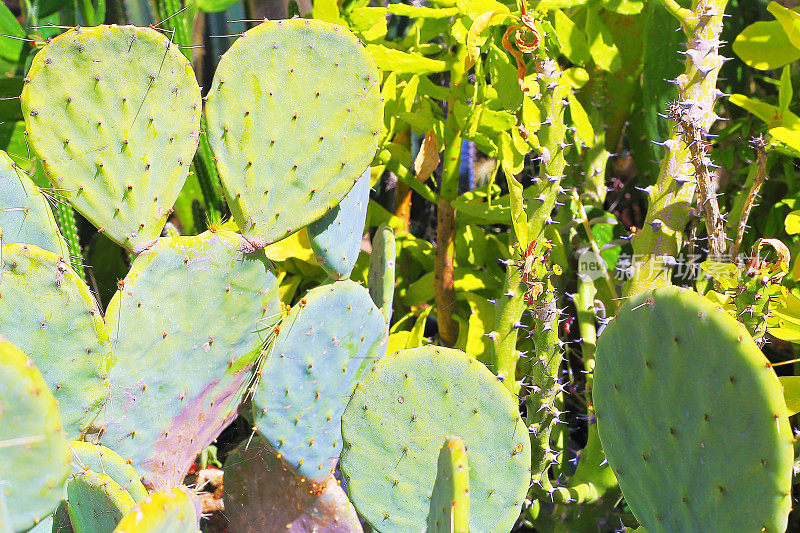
(682,392)
(132,107)
(449,511)
(162,412)
(393,429)
(757,285)
(176,510)
(61,323)
(96,503)
(263,493)
(657,244)
(294,115)
(36,457)
(325,345)
(336,237)
(382,269)
(25,215)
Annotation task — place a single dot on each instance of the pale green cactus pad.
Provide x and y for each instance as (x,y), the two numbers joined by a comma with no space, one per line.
(692,418)
(36,457)
(396,423)
(336,237)
(175,510)
(25,216)
(185,330)
(114,114)
(450,499)
(294,114)
(87,456)
(47,311)
(96,503)
(326,344)
(382,269)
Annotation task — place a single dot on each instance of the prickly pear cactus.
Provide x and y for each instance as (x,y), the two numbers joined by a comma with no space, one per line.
(188,303)
(450,499)
(393,429)
(5,515)
(114,114)
(87,456)
(35,453)
(294,114)
(175,510)
(324,347)
(47,311)
(96,503)
(381,269)
(262,493)
(336,237)
(25,215)
(692,418)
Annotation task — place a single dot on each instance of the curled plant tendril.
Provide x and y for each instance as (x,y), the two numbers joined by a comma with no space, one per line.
(527,39)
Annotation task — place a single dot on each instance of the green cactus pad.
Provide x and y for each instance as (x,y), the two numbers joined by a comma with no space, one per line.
(325,346)
(114,114)
(185,330)
(5,516)
(175,510)
(88,456)
(262,493)
(450,499)
(692,417)
(395,424)
(381,269)
(36,457)
(25,216)
(96,503)
(294,114)
(336,237)
(47,311)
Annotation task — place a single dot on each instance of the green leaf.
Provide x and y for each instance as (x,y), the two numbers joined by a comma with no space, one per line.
(327,10)
(785,90)
(473,8)
(574,44)
(790,20)
(10,48)
(601,43)
(504,78)
(391,60)
(479,323)
(213,6)
(765,46)
(368,22)
(623,7)
(512,164)
(768,113)
(792,223)
(415,12)
(417,336)
(791,393)
(581,121)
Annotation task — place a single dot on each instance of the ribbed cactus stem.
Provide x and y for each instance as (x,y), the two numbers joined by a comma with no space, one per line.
(657,244)
(541,402)
(65,218)
(541,201)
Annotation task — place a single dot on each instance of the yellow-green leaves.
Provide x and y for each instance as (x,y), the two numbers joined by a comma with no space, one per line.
(764,45)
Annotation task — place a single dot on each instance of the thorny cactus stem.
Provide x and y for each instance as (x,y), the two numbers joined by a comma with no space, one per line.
(657,244)
(541,198)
